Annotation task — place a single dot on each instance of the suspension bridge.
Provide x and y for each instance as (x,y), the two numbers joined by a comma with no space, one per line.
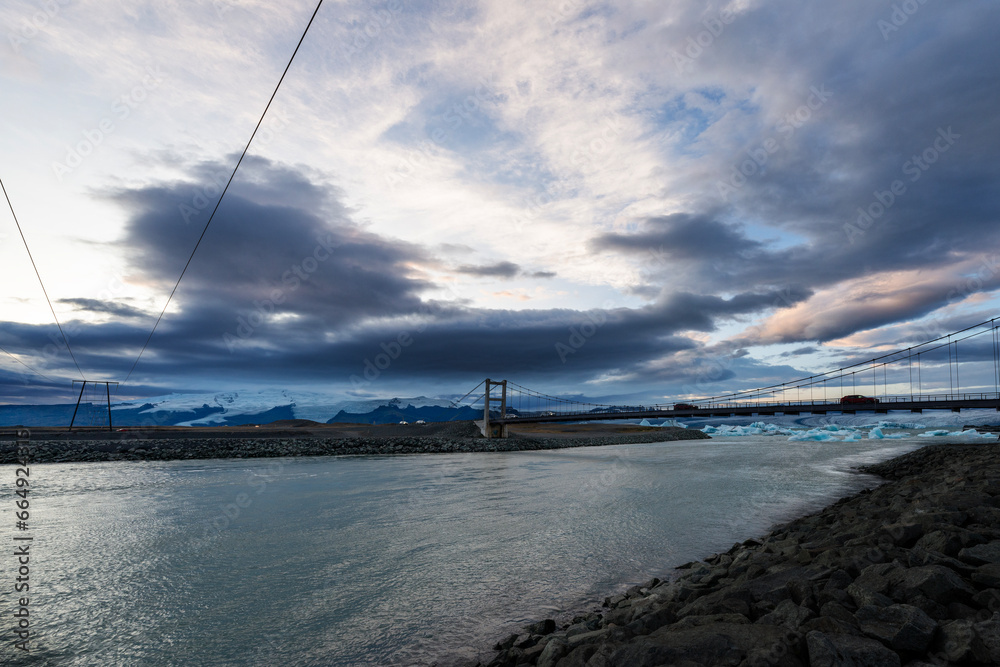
(930,376)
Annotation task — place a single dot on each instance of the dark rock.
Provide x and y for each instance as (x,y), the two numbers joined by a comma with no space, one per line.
(936,582)
(787,614)
(878,578)
(546,627)
(957,610)
(588,637)
(957,641)
(803,592)
(863,596)
(578,657)
(647,623)
(837,611)
(830,626)
(988,632)
(903,534)
(848,651)
(774,587)
(987,575)
(839,580)
(981,554)
(946,543)
(988,599)
(730,600)
(716,644)
(697,621)
(918,557)
(902,627)
(553,653)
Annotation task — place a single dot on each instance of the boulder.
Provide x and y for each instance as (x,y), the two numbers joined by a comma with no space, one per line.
(546,627)
(903,534)
(848,651)
(839,580)
(946,543)
(936,582)
(647,623)
(578,657)
(988,632)
(988,599)
(901,627)
(958,642)
(787,614)
(981,554)
(553,653)
(715,644)
(863,596)
(697,621)
(987,575)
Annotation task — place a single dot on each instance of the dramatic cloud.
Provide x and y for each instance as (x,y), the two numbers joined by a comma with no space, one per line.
(675,197)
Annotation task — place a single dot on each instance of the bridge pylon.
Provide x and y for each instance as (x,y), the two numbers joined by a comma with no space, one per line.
(495,430)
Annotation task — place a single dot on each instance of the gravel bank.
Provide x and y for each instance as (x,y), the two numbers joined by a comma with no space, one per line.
(458,437)
(905,574)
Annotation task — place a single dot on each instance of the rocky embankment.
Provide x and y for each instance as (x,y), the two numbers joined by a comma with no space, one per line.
(462,437)
(905,574)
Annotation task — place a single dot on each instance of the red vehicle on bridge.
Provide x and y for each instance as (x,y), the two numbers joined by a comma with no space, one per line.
(685,406)
(855,399)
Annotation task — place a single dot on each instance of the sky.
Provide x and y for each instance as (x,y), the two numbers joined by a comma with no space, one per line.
(611,200)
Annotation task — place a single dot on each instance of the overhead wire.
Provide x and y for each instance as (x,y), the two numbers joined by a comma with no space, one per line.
(40,282)
(9,354)
(221,196)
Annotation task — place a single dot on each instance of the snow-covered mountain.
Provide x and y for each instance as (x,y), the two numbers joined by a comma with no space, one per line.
(209,409)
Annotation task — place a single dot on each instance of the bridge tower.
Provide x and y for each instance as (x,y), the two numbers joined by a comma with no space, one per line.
(495,430)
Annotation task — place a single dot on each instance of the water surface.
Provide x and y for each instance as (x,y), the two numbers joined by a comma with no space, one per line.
(385,560)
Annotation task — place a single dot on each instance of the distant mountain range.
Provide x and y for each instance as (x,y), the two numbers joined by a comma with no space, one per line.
(237,409)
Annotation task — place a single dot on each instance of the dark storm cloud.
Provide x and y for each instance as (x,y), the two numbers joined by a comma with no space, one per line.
(502,270)
(498,270)
(279,240)
(104,307)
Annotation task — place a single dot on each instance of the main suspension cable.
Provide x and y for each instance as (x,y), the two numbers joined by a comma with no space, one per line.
(224,190)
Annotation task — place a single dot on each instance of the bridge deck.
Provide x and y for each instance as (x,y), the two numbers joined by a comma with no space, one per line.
(763,409)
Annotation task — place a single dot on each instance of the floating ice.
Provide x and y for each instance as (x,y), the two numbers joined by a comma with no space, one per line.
(815,435)
(888,424)
(756,428)
(969,433)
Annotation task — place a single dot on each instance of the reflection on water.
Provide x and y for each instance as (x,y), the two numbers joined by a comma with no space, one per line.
(385,560)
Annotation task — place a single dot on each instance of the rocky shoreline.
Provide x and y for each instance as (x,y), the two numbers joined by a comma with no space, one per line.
(905,574)
(464,437)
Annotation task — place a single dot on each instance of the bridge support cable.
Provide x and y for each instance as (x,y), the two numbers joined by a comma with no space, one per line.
(996,360)
(758,393)
(951,380)
(909,369)
(39,276)
(224,190)
(458,403)
(958,378)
